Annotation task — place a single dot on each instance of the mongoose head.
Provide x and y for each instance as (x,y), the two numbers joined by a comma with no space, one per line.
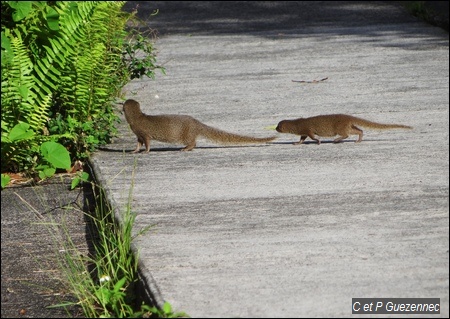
(131,105)
(281,127)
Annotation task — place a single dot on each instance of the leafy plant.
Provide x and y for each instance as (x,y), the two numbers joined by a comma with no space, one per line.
(50,154)
(104,283)
(5,180)
(138,53)
(111,297)
(80,177)
(56,156)
(63,65)
(165,312)
(139,57)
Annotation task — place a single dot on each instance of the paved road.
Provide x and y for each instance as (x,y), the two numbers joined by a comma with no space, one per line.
(279,230)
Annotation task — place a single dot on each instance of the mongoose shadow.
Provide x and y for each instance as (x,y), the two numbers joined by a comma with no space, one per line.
(370,140)
(178,129)
(177,149)
(154,149)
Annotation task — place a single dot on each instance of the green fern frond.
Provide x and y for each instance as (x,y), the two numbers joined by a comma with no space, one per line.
(62,75)
(40,113)
(17,82)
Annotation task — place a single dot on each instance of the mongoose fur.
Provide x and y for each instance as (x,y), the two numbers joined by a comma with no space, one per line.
(178,129)
(331,125)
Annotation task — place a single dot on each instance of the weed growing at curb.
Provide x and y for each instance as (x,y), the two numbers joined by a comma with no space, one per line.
(104,283)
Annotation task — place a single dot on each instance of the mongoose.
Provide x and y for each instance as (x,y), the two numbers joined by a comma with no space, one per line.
(179,129)
(330,125)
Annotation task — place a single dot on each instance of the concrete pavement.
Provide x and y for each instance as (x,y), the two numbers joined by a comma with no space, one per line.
(278,230)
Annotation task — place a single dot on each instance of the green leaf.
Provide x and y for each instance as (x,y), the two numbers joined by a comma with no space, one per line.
(6,43)
(167,308)
(23,8)
(23,90)
(5,180)
(7,52)
(103,295)
(52,19)
(120,284)
(56,154)
(83,177)
(47,172)
(20,131)
(75,182)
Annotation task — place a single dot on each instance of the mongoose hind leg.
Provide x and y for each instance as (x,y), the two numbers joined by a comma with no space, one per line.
(353,130)
(311,136)
(189,147)
(147,144)
(340,138)
(356,130)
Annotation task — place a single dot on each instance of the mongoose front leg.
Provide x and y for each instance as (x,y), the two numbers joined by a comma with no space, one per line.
(302,139)
(139,144)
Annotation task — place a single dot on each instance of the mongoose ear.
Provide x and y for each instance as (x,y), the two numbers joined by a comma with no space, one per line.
(271,127)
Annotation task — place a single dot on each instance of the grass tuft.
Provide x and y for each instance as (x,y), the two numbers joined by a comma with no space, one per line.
(104,281)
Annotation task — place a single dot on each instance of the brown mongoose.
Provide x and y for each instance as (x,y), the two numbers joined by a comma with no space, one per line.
(179,129)
(331,125)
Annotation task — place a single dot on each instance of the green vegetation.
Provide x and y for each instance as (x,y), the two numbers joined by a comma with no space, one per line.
(104,284)
(64,64)
(417,9)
